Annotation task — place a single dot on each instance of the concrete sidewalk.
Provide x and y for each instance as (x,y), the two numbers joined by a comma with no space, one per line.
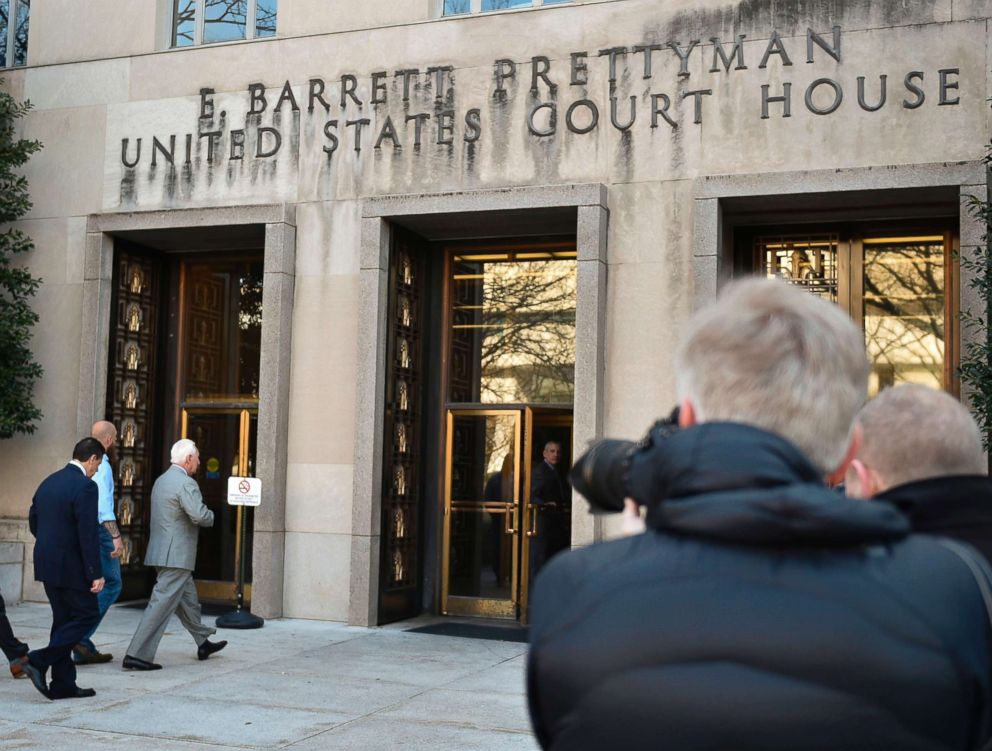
(293,684)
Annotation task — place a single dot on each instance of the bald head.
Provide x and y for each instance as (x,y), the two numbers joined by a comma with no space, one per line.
(104,432)
(912,433)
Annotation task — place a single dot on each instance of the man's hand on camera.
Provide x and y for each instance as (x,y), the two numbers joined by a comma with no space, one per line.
(632,520)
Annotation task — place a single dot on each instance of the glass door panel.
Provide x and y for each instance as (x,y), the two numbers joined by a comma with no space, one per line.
(225,437)
(904,310)
(512,326)
(480,569)
(809,262)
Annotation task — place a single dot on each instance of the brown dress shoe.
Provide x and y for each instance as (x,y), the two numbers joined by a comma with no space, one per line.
(84,656)
(17,667)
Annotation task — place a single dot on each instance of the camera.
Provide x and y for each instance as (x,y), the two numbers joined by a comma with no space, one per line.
(602,475)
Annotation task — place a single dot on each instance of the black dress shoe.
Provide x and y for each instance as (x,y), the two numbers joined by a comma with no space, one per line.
(208,648)
(79,693)
(133,663)
(38,679)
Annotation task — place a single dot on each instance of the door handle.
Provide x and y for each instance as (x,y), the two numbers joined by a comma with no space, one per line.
(532,532)
(507,527)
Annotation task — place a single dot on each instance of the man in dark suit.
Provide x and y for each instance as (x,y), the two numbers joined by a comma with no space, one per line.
(549,493)
(67,561)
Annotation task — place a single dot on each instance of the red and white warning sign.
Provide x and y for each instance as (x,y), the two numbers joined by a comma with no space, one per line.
(244,491)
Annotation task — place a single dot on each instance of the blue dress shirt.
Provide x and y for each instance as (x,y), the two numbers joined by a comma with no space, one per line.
(104,479)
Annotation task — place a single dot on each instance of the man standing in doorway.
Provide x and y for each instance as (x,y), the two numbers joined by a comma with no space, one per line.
(549,492)
(86,653)
(67,561)
(178,512)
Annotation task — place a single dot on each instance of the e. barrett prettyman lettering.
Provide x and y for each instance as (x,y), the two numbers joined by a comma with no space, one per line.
(343,108)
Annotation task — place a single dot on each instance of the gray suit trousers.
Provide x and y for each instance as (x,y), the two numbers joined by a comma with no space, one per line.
(174,592)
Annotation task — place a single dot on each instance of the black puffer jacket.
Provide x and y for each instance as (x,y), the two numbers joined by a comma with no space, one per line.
(760,611)
(957,506)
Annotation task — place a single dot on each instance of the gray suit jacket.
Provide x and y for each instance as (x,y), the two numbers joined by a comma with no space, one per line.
(177,513)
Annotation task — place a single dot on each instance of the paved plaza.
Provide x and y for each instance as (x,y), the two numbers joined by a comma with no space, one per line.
(293,684)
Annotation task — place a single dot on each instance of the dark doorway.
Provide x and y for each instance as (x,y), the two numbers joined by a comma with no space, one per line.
(184,361)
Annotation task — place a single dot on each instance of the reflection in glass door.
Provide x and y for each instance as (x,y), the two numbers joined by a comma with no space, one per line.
(481,562)
(904,310)
(902,288)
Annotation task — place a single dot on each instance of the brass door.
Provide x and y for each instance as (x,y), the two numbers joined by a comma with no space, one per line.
(489,521)
(481,552)
(542,424)
(226,438)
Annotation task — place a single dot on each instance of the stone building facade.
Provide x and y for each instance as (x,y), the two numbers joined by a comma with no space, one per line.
(379,254)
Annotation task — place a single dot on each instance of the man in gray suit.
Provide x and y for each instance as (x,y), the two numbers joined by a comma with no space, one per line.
(178,512)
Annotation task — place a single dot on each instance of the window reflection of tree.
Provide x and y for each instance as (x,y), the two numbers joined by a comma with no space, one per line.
(904,311)
(4,19)
(224,20)
(499,443)
(527,351)
(505,4)
(20,53)
(185,22)
(21,15)
(454,7)
(265,18)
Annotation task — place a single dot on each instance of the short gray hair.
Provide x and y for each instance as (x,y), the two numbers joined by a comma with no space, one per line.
(913,432)
(181,449)
(776,357)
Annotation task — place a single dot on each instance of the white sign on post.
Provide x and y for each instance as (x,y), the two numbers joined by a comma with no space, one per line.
(244,491)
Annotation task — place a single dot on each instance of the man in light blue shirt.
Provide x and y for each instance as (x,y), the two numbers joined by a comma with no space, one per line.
(85,652)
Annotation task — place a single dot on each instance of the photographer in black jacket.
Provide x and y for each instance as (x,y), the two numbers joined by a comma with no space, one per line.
(760,610)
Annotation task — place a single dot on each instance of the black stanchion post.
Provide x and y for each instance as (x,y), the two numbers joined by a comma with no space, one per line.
(240,618)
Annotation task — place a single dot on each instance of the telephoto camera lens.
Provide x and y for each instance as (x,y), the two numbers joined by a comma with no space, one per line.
(599,474)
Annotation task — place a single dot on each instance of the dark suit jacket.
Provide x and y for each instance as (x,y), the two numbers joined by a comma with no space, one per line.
(63,519)
(956,506)
(547,486)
